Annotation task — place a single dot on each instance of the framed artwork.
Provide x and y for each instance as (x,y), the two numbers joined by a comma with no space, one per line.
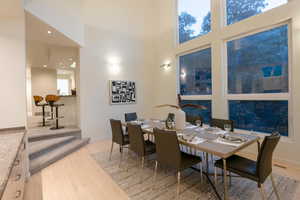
(122,92)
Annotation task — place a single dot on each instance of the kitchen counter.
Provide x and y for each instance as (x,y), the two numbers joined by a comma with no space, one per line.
(9,146)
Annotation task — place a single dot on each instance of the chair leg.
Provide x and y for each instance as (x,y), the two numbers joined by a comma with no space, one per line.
(142,168)
(274,187)
(230,177)
(201,172)
(111,150)
(216,180)
(155,173)
(121,157)
(178,185)
(262,191)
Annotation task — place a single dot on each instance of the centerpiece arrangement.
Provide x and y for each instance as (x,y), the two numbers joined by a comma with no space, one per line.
(179,114)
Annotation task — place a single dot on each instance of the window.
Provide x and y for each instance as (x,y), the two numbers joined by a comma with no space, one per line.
(260,116)
(206,114)
(194,19)
(238,10)
(195,77)
(259,63)
(63,86)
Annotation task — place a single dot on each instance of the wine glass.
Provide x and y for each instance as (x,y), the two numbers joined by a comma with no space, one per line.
(198,123)
(227,127)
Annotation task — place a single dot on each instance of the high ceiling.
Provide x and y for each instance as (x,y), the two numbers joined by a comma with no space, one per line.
(36,30)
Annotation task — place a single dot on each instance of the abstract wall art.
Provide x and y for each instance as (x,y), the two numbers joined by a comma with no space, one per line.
(122,92)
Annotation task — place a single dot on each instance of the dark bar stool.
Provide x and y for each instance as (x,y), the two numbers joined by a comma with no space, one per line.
(51,100)
(38,102)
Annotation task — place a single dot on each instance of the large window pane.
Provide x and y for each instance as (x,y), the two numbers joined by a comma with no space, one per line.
(195,73)
(238,10)
(259,63)
(194,19)
(206,114)
(261,116)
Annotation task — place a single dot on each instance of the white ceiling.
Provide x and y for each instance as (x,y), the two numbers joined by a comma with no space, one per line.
(37,30)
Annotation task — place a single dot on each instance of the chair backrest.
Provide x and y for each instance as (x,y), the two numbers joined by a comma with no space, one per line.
(193,119)
(117,131)
(264,158)
(51,99)
(221,122)
(37,99)
(130,117)
(136,139)
(167,148)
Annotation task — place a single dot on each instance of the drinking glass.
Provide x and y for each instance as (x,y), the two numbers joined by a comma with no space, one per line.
(198,123)
(227,127)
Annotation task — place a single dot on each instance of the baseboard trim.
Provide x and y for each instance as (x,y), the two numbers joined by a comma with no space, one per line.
(12,129)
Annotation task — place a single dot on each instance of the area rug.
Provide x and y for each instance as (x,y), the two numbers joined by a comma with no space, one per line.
(139,184)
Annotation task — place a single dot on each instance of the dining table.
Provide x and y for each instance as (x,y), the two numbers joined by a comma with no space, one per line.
(210,140)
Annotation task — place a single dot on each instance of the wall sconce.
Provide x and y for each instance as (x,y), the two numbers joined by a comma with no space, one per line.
(166,66)
(114,65)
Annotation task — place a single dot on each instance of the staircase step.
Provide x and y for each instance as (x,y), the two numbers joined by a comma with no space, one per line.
(45,160)
(39,148)
(45,134)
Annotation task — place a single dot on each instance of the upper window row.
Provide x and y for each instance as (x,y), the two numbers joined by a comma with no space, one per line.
(194,16)
(256,64)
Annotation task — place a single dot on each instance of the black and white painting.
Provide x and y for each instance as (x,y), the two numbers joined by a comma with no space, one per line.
(122,92)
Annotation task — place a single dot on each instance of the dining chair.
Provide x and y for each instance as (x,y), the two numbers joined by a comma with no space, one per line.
(169,155)
(220,123)
(258,170)
(118,137)
(193,119)
(130,117)
(137,144)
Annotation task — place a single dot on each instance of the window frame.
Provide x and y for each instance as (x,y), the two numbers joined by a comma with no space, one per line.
(194,97)
(217,39)
(262,96)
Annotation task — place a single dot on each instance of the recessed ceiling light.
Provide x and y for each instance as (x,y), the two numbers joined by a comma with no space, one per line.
(49,32)
(44,66)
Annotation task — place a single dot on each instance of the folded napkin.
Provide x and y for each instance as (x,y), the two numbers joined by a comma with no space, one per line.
(190,126)
(145,126)
(222,141)
(197,140)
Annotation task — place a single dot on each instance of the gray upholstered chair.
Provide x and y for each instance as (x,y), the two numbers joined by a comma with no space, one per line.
(130,117)
(138,144)
(169,155)
(194,119)
(220,123)
(118,137)
(258,170)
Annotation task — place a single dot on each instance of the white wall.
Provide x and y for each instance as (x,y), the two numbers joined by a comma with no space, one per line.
(43,81)
(115,33)
(12,67)
(165,82)
(64,16)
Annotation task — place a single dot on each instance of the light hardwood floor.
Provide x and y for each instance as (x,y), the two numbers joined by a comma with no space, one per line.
(79,177)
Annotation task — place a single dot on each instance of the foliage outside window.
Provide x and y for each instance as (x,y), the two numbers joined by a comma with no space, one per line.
(259,63)
(194,19)
(238,10)
(195,69)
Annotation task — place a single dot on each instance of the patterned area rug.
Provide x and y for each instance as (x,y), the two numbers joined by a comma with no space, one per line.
(191,186)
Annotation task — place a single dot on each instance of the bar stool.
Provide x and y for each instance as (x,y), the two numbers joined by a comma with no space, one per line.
(51,100)
(38,102)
